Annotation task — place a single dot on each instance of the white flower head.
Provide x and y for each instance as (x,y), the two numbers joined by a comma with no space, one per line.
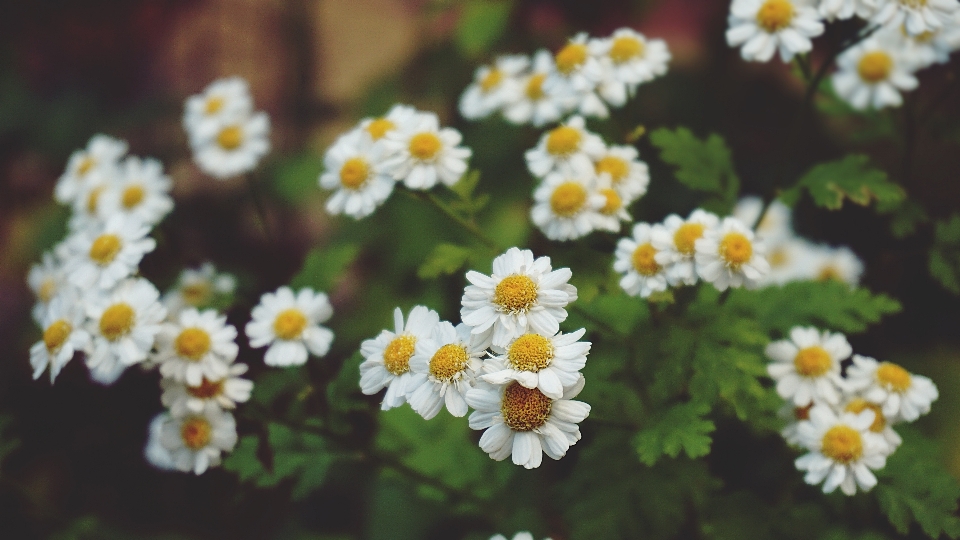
(533,104)
(550,364)
(291,326)
(568,148)
(636,59)
(89,165)
(493,86)
(834,264)
(444,367)
(881,424)
(675,244)
(105,256)
(196,441)
(613,213)
(199,346)
(420,153)
(793,414)
(568,207)
(154,452)
(915,16)
(87,212)
(844,9)
(930,47)
(761,27)
(63,335)
(141,190)
(792,259)
(636,259)
(182,398)
(221,98)
(234,146)
(901,395)
(625,172)
(378,128)
(806,367)
(873,73)
(387,357)
(522,294)
(578,71)
(524,423)
(730,256)
(46,280)
(124,324)
(198,288)
(353,168)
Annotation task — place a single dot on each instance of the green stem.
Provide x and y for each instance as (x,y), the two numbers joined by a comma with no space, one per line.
(450,213)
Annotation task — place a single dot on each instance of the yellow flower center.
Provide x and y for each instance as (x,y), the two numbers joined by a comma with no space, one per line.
(568,199)
(424,146)
(778,257)
(354,173)
(196,432)
(617,168)
(213,105)
(289,324)
(93,199)
(56,334)
(829,273)
(117,321)
(86,165)
(534,87)
(802,413)
(775,15)
(644,260)
(626,48)
(47,289)
(735,249)
(196,294)
(875,66)
(515,293)
(192,343)
(530,352)
(132,196)
(448,361)
(105,248)
(524,409)
(491,80)
(396,355)
(563,140)
(893,377)
(842,444)
(613,203)
(685,239)
(812,361)
(230,138)
(571,57)
(379,127)
(207,389)
(858,405)
(915,4)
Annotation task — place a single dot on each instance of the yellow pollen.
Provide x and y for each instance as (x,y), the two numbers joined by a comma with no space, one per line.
(491,80)
(829,273)
(207,389)
(568,199)
(735,249)
(613,203)
(213,105)
(626,48)
(196,432)
(812,361)
(379,127)
(858,405)
(524,409)
(424,146)
(192,343)
(775,15)
(778,258)
(105,248)
(515,293)
(396,355)
(802,413)
(875,66)
(563,140)
(47,289)
(448,361)
(893,377)
(924,37)
(354,173)
(132,196)
(93,199)
(534,87)
(289,324)
(617,168)
(86,164)
(530,352)
(56,334)
(842,444)
(915,4)
(230,138)
(685,239)
(117,321)
(571,57)
(196,294)
(644,261)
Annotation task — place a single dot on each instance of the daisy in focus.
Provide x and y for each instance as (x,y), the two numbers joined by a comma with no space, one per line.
(444,367)
(806,367)
(636,259)
(199,346)
(675,244)
(550,364)
(420,153)
(900,394)
(730,256)
(290,325)
(183,399)
(493,87)
(124,325)
(568,148)
(873,73)
(762,27)
(196,441)
(353,168)
(63,335)
(567,208)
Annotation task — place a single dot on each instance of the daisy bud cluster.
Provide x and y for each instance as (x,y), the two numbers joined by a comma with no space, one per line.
(843,418)
(405,145)
(507,359)
(586,76)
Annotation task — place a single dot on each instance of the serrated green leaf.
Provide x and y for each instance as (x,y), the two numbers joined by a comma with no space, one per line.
(482,22)
(702,165)
(849,178)
(443,260)
(905,216)
(299,455)
(679,428)
(944,262)
(324,267)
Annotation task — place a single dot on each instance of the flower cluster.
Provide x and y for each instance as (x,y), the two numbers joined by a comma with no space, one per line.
(843,420)
(405,145)
(585,77)
(507,360)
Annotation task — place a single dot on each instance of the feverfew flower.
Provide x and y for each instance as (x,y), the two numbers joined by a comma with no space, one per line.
(881,425)
(844,9)
(792,259)
(524,423)
(198,346)
(806,367)
(550,364)
(444,367)
(627,175)
(577,74)
(614,210)
(493,86)
(387,358)
(793,415)
(196,441)
(931,47)
(235,144)
(636,259)
(100,156)
(522,294)
(834,264)
(198,288)
(221,98)
(291,326)
(636,59)
(901,394)
(842,450)
(567,208)
(352,168)
(63,335)
(46,280)
(533,104)
(872,74)
(675,244)
(140,190)
(124,325)
(154,452)
(568,148)
(86,212)
(916,16)
(420,153)
(183,399)
(761,27)
(378,128)
(730,256)
(106,256)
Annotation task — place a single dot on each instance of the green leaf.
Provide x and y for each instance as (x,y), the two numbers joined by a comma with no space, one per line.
(680,427)
(906,216)
(324,267)
(482,22)
(945,255)
(445,259)
(702,165)
(467,183)
(849,178)
(295,177)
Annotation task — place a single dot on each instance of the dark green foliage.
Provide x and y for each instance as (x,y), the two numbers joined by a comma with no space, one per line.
(323,267)
(849,178)
(945,254)
(481,24)
(701,165)
(681,427)
(445,259)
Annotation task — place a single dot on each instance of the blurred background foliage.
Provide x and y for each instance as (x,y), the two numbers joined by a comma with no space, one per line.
(72,464)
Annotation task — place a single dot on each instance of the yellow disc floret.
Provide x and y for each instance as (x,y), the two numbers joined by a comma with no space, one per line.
(491,80)
(192,343)
(132,196)
(196,432)
(47,290)
(858,405)
(812,361)
(685,239)
(563,140)
(778,258)
(105,248)
(530,352)
(617,168)
(736,249)
(875,66)
(117,321)
(524,409)
(230,138)
(448,362)
(207,389)
(515,293)
(644,260)
(571,57)
(213,105)
(86,165)
(534,88)
(568,199)
(354,173)
(290,324)
(425,146)
(379,127)
(396,355)
(775,15)
(613,201)
(842,444)
(626,48)
(56,335)
(893,377)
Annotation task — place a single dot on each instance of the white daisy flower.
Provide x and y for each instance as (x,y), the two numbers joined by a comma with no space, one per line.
(761,27)
(567,207)
(221,98)
(291,326)
(901,394)
(198,288)
(100,156)
(636,59)
(523,423)
(881,425)
(844,9)
(46,280)
(378,128)
(103,258)
(568,148)
(842,450)
(916,16)
(793,415)
(533,104)
(420,153)
(236,144)
(791,259)
(108,372)
(626,173)
(196,441)
(493,86)
(806,367)
(141,190)
(931,47)
(548,363)
(636,259)
(444,367)
(872,74)
(675,244)
(199,345)
(154,452)
(87,206)
(834,264)
(387,358)
(124,324)
(614,210)
(730,256)
(353,169)
(63,335)
(182,398)
(522,294)
(577,74)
